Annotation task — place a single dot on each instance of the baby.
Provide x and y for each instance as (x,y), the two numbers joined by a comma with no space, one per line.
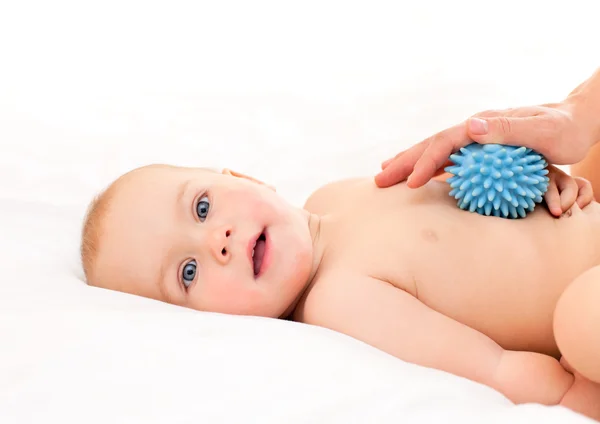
(403,270)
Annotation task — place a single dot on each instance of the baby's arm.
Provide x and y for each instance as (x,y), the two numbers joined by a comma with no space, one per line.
(394,321)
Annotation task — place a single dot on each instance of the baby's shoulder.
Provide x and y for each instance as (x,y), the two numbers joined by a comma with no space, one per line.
(339,297)
(331,195)
(332,289)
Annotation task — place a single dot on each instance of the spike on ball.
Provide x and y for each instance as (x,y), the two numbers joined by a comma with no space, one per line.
(498,180)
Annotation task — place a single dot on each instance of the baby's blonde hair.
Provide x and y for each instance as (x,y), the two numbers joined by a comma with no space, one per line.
(92,229)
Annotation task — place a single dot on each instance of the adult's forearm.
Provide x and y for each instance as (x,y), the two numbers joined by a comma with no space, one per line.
(585,100)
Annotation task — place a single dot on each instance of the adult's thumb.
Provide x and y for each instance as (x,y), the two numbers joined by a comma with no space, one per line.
(500,129)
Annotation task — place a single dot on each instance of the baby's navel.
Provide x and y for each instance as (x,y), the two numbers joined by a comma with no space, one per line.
(429,235)
(567,214)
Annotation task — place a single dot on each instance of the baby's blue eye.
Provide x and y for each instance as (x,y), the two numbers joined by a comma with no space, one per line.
(202,208)
(189,273)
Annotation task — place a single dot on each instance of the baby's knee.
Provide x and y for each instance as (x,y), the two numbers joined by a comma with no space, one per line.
(577,324)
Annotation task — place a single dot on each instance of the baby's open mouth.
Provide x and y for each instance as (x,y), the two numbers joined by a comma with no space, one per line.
(258,253)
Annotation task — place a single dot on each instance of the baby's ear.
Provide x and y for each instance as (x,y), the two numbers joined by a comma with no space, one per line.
(246,177)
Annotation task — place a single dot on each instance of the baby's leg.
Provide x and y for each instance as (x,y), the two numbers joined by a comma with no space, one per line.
(589,168)
(577,316)
(577,324)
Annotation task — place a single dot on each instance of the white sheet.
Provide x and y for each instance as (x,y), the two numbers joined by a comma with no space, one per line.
(296,95)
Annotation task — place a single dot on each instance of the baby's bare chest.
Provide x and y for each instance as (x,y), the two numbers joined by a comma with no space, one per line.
(489,273)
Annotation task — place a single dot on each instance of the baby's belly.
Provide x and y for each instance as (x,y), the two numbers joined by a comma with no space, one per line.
(501,277)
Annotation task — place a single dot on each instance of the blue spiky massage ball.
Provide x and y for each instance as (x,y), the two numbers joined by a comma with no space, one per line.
(499,180)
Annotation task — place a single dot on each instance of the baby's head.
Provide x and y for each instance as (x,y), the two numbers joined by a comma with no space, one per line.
(211,241)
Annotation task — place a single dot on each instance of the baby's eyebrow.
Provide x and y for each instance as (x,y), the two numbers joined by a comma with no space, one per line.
(181,191)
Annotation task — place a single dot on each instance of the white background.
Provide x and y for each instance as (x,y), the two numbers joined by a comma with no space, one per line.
(295,93)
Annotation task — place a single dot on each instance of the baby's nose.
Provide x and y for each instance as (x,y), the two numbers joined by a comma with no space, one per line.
(220,242)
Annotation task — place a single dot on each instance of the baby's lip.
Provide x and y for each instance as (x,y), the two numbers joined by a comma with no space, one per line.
(251,245)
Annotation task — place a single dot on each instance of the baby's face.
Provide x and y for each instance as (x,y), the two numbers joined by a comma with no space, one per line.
(206,240)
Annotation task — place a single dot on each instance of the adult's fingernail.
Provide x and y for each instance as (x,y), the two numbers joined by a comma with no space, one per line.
(478,126)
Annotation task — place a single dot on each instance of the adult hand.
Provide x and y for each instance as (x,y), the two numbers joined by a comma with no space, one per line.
(553,130)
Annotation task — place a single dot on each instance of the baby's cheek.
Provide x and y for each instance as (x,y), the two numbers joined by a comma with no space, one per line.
(260,204)
(230,295)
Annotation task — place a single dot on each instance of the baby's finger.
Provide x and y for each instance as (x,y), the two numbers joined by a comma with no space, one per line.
(585,194)
(568,191)
(436,154)
(400,166)
(552,198)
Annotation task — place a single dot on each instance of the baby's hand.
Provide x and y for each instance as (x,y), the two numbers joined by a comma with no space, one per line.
(564,191)
(583,396)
